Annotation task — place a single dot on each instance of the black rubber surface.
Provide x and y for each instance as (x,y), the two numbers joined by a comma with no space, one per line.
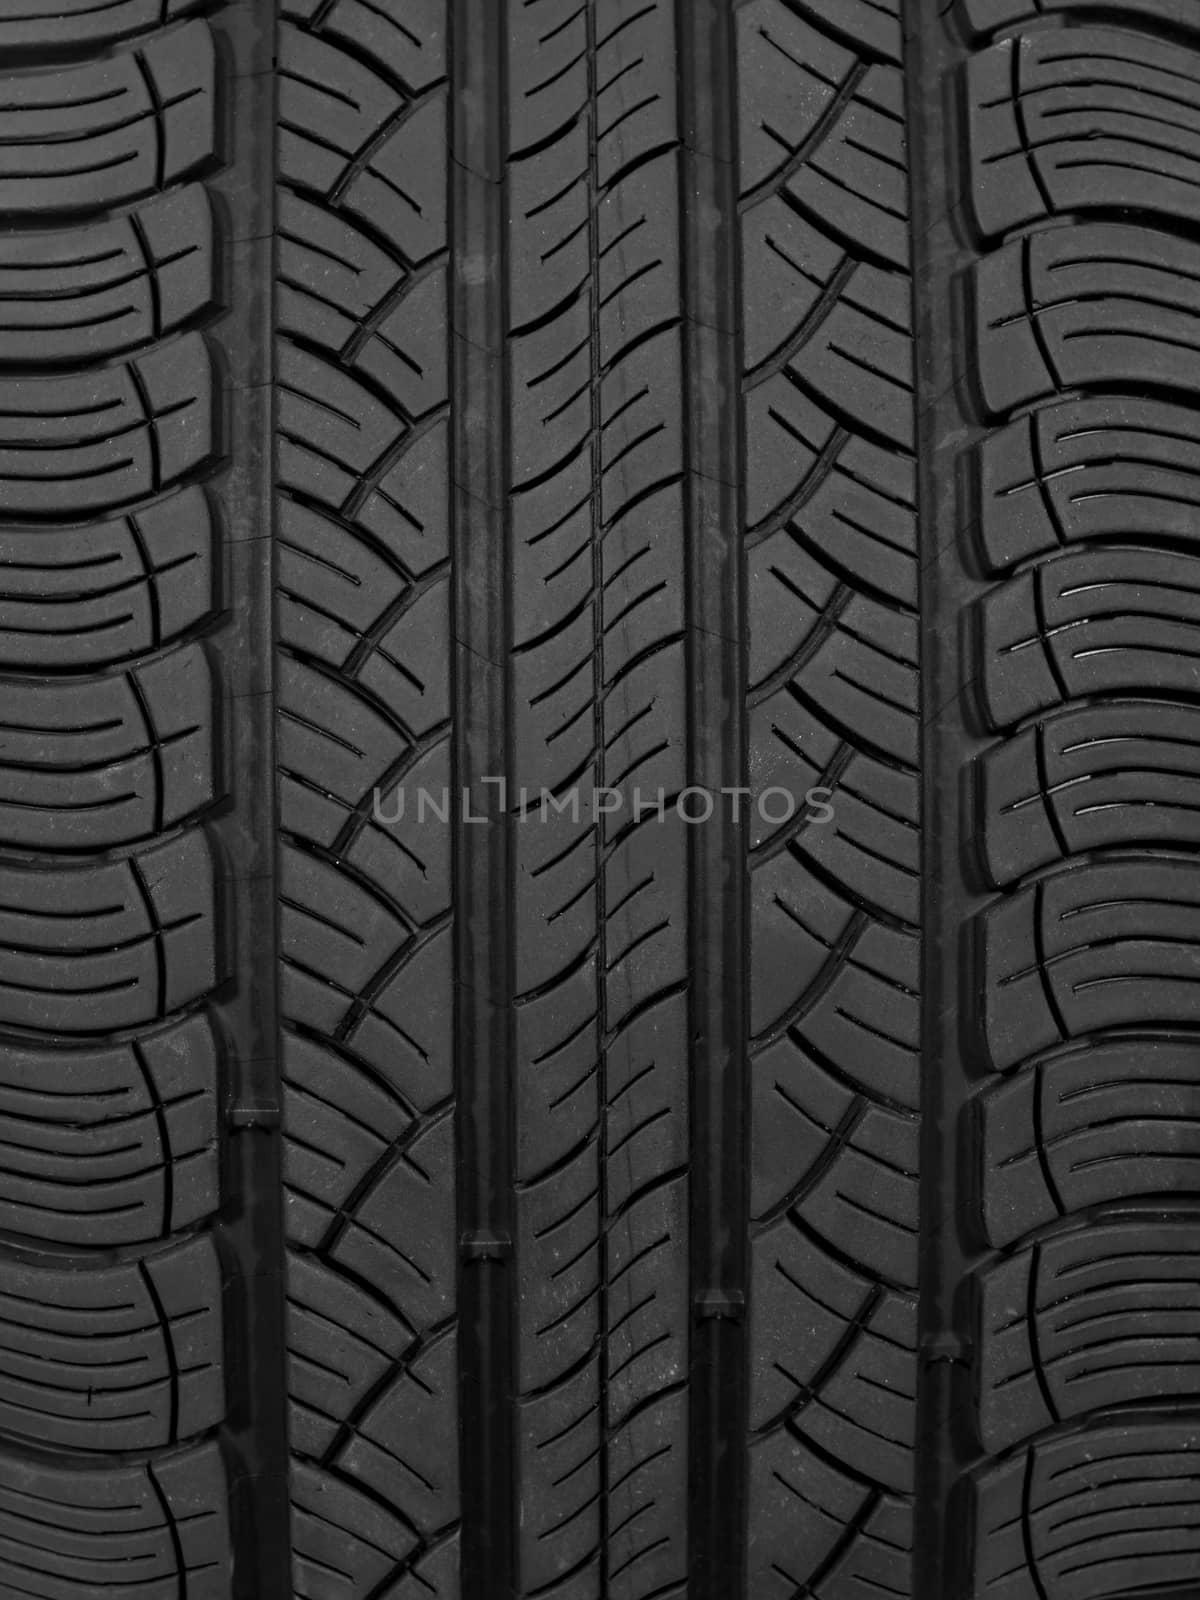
(785,408)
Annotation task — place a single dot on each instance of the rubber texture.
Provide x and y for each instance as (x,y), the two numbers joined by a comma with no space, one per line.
(783,1188)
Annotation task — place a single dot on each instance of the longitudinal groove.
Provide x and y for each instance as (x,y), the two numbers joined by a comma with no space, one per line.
(251,1016)
(717,850)
(943,587)
(482,871)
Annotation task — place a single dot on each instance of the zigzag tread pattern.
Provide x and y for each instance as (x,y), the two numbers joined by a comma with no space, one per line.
(600,699)
(364,712)
(828,415)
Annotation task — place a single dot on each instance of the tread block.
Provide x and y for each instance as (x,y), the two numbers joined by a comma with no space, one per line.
(849,655)
(356,139)
(1102,1512)
(336,756)
(570,1256)
(97,290)
(645,917)
(1123,775)
(331,277)
(342,1342)
(321,700)
(153,1532)
(807,1518)
(328,730)
(859,360)
(96,948)
(843,984)
(412,51)
(871,843)
(559,1104)
(125,1357)
(1095,1125)
(636,76)
(855,355)
(433,1574)
(644,1147)
(855,182)
(1071,120)
(92,763)
(355,972)
(631,108)
(345,1545)
(802,88)
(641,444)
(350,1215)
(803,278)
(787,441)
(1087,1320)
(558,1254)
(105,593)
(558,1449)
(398,658)
(336,1118)
(372,1360)
(647,1497)
(548,89)
(986,16)
(1074,308)
(646,1288)
(46,24)
(400,1430)
(1119,620)
(72,446)
(342,446)
(91,1168)
(98,134)
(1105,467)
(345,576)
(1088,948)
(637,296)
(835,1161)
(399,343)
(793,266)
(845,500)
(849,1384)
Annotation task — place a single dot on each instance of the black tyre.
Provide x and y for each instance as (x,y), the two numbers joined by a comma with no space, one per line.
(599,776)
